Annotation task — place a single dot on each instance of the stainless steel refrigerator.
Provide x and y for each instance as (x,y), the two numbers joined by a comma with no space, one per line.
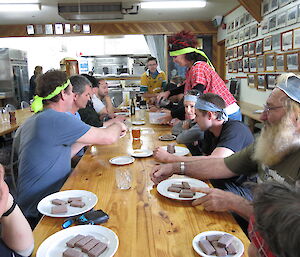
(14,80)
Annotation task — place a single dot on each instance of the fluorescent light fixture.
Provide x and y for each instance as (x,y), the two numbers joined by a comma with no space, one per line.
(19,1)
(19,7)
(173,4)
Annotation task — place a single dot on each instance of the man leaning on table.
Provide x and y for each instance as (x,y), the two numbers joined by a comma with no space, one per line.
(49,140)
(274,155)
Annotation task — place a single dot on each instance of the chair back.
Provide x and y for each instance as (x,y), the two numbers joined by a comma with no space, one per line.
(24,104)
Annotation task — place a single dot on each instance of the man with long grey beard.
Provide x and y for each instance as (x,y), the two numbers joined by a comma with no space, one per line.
(274,156)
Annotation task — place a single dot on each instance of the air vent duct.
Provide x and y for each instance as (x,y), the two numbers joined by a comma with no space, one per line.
(91,11)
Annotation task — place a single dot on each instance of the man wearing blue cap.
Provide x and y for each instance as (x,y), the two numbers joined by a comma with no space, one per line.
(274,156)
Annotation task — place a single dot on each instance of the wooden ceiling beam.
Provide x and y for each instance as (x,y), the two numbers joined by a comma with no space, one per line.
(253,7)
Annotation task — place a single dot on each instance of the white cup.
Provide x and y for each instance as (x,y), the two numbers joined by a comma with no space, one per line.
(123,178)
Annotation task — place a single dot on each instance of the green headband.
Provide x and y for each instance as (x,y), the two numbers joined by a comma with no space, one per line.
(37,104)
(190,50)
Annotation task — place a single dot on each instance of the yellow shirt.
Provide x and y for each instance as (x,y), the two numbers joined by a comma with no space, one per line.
(154,85)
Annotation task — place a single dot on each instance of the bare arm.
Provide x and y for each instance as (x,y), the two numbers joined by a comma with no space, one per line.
(75,148)
(109,106)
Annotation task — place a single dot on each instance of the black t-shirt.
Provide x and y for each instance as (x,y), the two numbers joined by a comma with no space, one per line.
(89,116)
(6,252)
(235,135)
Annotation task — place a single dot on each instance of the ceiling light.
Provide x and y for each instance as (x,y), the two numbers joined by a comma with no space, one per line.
(173,4)
(19,7)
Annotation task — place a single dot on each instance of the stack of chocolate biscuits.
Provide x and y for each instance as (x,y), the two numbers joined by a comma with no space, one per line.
(218,245)
(86,244)
(184,190)
(60,206)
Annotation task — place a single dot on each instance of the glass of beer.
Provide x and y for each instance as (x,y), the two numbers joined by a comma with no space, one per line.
(136,133)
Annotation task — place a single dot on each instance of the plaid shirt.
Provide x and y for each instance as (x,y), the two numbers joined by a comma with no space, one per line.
(202,73)
(258,241)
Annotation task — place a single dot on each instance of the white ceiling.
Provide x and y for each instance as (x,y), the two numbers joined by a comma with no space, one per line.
(49,13)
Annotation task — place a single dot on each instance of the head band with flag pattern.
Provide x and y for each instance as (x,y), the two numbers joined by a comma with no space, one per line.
(37,104)
(291,87)
(207,106)
(190,50)
(192,98)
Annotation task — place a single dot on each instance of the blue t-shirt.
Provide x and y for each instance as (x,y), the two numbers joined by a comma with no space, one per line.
(77,115)
(45,156)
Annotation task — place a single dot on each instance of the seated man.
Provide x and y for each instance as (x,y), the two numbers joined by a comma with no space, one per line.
(274,156)
(16,235)
(273,228)
(50,138)
(102,94)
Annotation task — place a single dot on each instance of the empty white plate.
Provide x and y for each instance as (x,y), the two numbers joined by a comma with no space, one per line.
(138,122)
(121,160)
(142,153)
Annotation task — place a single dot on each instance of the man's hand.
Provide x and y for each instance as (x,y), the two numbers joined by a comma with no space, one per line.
(162,95)
(163,156)
(167,118)
(186,124)
(161,172)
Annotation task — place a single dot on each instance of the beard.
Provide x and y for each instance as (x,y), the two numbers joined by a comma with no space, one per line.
(276,141)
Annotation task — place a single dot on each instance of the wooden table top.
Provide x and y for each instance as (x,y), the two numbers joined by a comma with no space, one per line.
(21,116)
(146,223)
(248,110)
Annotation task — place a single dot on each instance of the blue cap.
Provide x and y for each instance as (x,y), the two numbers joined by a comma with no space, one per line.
(291,87)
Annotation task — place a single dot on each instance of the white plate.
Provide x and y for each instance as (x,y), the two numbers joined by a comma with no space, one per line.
(179,150)
(89,198)
(138,122)
(142,153)
(237,243)
(55,245)
(121,160)
(163,186)
(172,137)
(122,113)
(258,111)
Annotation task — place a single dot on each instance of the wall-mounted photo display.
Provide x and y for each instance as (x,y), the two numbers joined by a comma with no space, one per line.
(276,41)
(253,31)
(247,33)
(241,36)
(246,49)
(231,53)
(237,23)
(252,46)
(230,67)
(271,81)
(287,40)
(242,20)
(235,52)
(227,54)
(270,62)
(67,28)
(272,22)
(273,5)
(283,2)
(86,28)
(59,29)
(292,61)
(296,38)
(281,20)
(259,47)
(228,28)
(240,51)
(252,64)
(268,43)
(30,29)
(231,39)
(236,38)
(227,41)
(279,62)
(76,28)
(247,18)
(292,15)
(265,9)
(298,13)
(48,29)
(260,63)
(251,80)
(264,26)
(235,67)
(261,82)
(240,65)
(39,29)
(246,64)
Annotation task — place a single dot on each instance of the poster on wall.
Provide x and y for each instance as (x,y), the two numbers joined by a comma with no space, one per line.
(246,64)
(273,5)
(252,48)
(264,26)
(48,29)
(265,7)
(30,30)
(246,49)
(253,31)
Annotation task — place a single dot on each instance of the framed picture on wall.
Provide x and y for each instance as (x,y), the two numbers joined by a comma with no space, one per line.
(240,51)
(247,18)
(246,64)
(261,82)
(272,22)
(228,30)
(283,2)
(246,49)
(235,67)
(276,41)
(281,20)
(287,40)
(273,5)
(251,80)
(279,62)
(252,64)
(235,52)
(240,65)
(30,29)
(260,63)
(237,23)
(292,61)
(230,53)
(253,31)
(296,38)
(236,38)
(242,20)
(241,36)
(48,29)
(264,26)
(39,29)
(259,47)
(230,67)
(252,46)
(265,7)
(292,15)
(247,33)
(271,81)
(298,13)
(267,43)
(270,62)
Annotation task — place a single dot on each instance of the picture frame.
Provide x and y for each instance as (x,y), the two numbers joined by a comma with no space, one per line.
(30,29)
(273,5)
(252,64)
(230,67)
(251,80)
(241,36)
(298,19)
(292,15)
(59,29)
(276,42)
(230,53)
(235,52)
(246,49)
(265,7)
(280,62)
(237,23)
(264,26)
(259,47)
(281,20)
(246,64)
(39,29)
(236,37)
(296,38)
(252,46)
(48,29)
(253,31)
(228,30)
(287,40)
(76,28)
(247,33)
(272,22)
(247,18)
(86,28)
(269,61)
(240,51)
(271,81)
(292,61)
(67,28)
(235,66)
(240,65)
(283,2)
(227,41)
(242,20)
(267,43)
(261,82)
(260,63)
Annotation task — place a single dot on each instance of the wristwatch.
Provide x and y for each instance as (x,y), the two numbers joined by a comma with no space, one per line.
(182,169)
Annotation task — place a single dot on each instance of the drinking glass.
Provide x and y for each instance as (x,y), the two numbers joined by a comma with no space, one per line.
(136,133)
(123,178)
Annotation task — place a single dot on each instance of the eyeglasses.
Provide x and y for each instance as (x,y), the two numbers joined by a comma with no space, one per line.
(268,108)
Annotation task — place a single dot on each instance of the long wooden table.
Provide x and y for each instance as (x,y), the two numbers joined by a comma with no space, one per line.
(146,223)
(249,110)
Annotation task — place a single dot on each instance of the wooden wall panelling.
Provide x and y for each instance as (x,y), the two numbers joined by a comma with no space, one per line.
(221,61)
(253,7)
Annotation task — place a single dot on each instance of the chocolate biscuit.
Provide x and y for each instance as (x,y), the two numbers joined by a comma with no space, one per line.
(97,250)
(79,204)
(220,251)
(71,242)
(58,202)
(72,253)
(59,209)
(174,189)
(84,241)
(225,240)
(71,199)
(186,195)
(186,185)
(231,249)
(206,247)
(87,247)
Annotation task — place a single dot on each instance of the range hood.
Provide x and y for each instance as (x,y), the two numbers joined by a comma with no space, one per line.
(91,11)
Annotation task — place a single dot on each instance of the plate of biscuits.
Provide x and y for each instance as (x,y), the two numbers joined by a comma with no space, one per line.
(167,137)
(67,203)
(180,188)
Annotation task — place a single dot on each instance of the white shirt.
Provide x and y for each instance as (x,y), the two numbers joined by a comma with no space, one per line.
(97,103)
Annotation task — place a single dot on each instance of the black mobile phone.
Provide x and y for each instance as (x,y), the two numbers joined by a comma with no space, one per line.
(97,216)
